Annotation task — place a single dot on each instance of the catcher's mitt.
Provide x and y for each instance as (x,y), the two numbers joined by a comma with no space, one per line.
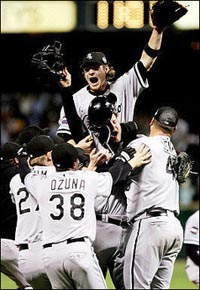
(49,63)
(166,12)
(182,166)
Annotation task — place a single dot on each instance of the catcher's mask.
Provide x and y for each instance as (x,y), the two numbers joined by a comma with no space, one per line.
(48,63)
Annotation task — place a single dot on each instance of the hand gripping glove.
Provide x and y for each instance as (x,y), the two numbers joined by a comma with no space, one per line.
(166,12)
(126,154)
(182,166)
(48,63)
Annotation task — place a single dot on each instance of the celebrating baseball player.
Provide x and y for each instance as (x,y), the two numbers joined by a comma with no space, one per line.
(98,72)
(9,251)
(156,235)
(191,242)
(67,198)
(29,238)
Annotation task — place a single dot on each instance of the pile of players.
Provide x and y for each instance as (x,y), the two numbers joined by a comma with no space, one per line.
(102,198)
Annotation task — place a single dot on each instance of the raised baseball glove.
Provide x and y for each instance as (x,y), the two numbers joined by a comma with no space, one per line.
(182,166)
(48,63)
(166,12)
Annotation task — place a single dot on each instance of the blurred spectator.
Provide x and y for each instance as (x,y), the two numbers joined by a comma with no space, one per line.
(187,192)
(22,109)
(183,138)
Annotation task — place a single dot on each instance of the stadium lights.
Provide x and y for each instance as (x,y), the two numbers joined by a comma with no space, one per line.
(38,16)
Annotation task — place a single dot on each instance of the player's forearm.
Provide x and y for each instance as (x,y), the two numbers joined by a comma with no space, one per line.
(120,171)
(150,51)
(192,252)
(73,119)
(24,168)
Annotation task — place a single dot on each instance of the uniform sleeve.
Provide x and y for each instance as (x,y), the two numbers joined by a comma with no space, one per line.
(191,235)
(104,184)
(73,119)
(30,182)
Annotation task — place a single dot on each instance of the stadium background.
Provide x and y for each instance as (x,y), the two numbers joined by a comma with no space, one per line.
(173,79)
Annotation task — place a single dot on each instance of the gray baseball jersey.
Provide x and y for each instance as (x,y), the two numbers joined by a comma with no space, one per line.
(191,236)
(126,88)
(66,201)
(156,235)
(29,238)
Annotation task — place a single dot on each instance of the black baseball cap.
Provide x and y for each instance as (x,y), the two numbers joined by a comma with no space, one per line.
(64,155)
(39,145)
(27,133)
(167,116)
(94,57)
(9,150)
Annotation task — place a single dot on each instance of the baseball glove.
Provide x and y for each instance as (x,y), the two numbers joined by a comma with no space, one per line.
(182,165)
(49,63)
(166,12)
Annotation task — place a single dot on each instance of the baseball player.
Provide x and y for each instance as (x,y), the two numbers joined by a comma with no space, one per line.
(98,72)
(110,212)
(67,198)
(191,242)
(156,234)
(29,238)
(9,251)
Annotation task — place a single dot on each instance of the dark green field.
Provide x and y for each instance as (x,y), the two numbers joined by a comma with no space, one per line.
(179,279)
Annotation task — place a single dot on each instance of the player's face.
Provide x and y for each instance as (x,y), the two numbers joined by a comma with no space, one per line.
(95,75)
(116,131)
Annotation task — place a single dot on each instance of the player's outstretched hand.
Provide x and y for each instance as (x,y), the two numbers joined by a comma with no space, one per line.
(98,158)
(68,78)
(141,157)
(87,144)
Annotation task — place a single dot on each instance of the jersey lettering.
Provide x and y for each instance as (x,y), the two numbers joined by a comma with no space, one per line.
(59,206)
(22,208)
(169,166)
(77,210)
(119,108)
(67,183)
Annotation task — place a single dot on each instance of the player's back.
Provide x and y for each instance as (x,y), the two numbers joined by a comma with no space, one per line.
(155,185)
(66,201)
(27,208)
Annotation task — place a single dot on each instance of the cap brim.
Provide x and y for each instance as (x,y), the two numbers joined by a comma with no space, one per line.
(83,65)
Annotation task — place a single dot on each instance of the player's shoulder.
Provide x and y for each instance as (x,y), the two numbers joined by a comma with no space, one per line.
(80,92)
(140,139)
(16,182)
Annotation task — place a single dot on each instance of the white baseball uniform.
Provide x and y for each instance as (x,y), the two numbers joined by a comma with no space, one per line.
(9,263)
(66,201)
(127,88)
(28,235)
(152,205)
(191,236)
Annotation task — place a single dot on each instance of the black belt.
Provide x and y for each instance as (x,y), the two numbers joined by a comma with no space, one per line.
(152,213)
(22,247)
(107,219)
(159,212)
(69,241)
